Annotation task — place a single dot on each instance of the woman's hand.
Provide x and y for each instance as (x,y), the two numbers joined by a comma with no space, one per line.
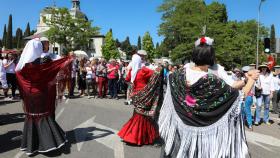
(253,74)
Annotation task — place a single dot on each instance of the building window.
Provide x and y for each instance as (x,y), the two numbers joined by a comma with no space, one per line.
(55,50)
(91,44)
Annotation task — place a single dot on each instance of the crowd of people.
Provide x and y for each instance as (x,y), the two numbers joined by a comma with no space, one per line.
(264,92)
(195,110)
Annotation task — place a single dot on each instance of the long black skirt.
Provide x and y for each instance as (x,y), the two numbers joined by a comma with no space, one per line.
(42,135)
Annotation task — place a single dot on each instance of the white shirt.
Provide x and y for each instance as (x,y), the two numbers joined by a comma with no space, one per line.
(266,83)
(3,79)
(89,72)
(11,68)
(193,76)
(276,82)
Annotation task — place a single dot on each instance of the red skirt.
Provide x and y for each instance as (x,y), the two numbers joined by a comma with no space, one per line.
(139,130)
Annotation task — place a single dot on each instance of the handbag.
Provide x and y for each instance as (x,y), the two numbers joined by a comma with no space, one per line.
(258,91)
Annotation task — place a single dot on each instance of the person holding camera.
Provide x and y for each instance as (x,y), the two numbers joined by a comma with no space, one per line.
(10,65)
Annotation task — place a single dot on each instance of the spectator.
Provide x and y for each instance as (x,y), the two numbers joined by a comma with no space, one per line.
(82,77)
(248,101)
(113,77)
(10,65)
(265,82)
(74,68)
(3,79)
(101,73)
(94,64)
(276,93)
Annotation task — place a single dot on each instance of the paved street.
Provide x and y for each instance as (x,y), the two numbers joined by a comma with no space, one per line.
(92,124)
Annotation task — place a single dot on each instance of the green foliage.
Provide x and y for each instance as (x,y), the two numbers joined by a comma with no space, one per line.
(72,32)
(126,46)
(9,39)
(157,51)
(27,30)
(118,43)
(184,21)
(1,44)
(4,38)
(19,39)
(148,45)
(272,39)
(109,49)
(139,45)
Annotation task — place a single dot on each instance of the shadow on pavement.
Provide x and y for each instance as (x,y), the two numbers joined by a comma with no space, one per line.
(71,137)
(87,134)
(11,118)
(8,141)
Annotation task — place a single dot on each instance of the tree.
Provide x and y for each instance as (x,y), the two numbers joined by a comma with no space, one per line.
(139,45)
(1,45)
(4,39)
(148,45)
(158,53)
(27,30)
(118,43)
(182,24)
(272,39)
(19,39)
(126,46)
(71,32)
(9,40)
(109,49)
(184,21)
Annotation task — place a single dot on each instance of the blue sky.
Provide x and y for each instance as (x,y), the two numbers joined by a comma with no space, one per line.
(130,17)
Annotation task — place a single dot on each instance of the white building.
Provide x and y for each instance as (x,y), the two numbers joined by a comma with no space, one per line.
(95,43)
(277,46)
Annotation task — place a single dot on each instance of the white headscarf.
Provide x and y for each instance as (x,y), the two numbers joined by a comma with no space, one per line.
(135,65)
(32,50)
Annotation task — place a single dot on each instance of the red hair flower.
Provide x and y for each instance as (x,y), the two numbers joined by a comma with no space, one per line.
(202,40)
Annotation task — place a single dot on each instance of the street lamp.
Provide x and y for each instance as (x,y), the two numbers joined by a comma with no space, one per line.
(258,34)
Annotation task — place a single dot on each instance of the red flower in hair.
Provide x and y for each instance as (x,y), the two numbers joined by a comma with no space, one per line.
(202,40)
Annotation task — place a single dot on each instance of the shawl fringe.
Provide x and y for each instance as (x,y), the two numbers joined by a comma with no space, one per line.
(224,138)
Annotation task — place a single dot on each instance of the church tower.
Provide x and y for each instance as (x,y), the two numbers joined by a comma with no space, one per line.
(76,4)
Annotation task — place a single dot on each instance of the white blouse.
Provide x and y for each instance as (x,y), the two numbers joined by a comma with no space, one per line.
(193,76)
(266,83)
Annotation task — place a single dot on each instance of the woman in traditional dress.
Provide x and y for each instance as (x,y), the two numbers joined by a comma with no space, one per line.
(146,97)
(200,115)
(37,85)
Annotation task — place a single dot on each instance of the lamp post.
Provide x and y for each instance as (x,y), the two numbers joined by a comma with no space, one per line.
(258,34)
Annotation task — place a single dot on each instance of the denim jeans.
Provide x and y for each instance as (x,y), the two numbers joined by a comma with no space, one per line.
(247,109)
(266,100)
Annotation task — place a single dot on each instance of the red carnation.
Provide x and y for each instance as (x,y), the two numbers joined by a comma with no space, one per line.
(202,40)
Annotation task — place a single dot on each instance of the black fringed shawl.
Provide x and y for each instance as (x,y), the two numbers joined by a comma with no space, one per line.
(148,100)
(203,120)
(204,102)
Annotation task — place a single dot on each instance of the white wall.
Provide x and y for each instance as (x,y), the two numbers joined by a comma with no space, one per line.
(98,43)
